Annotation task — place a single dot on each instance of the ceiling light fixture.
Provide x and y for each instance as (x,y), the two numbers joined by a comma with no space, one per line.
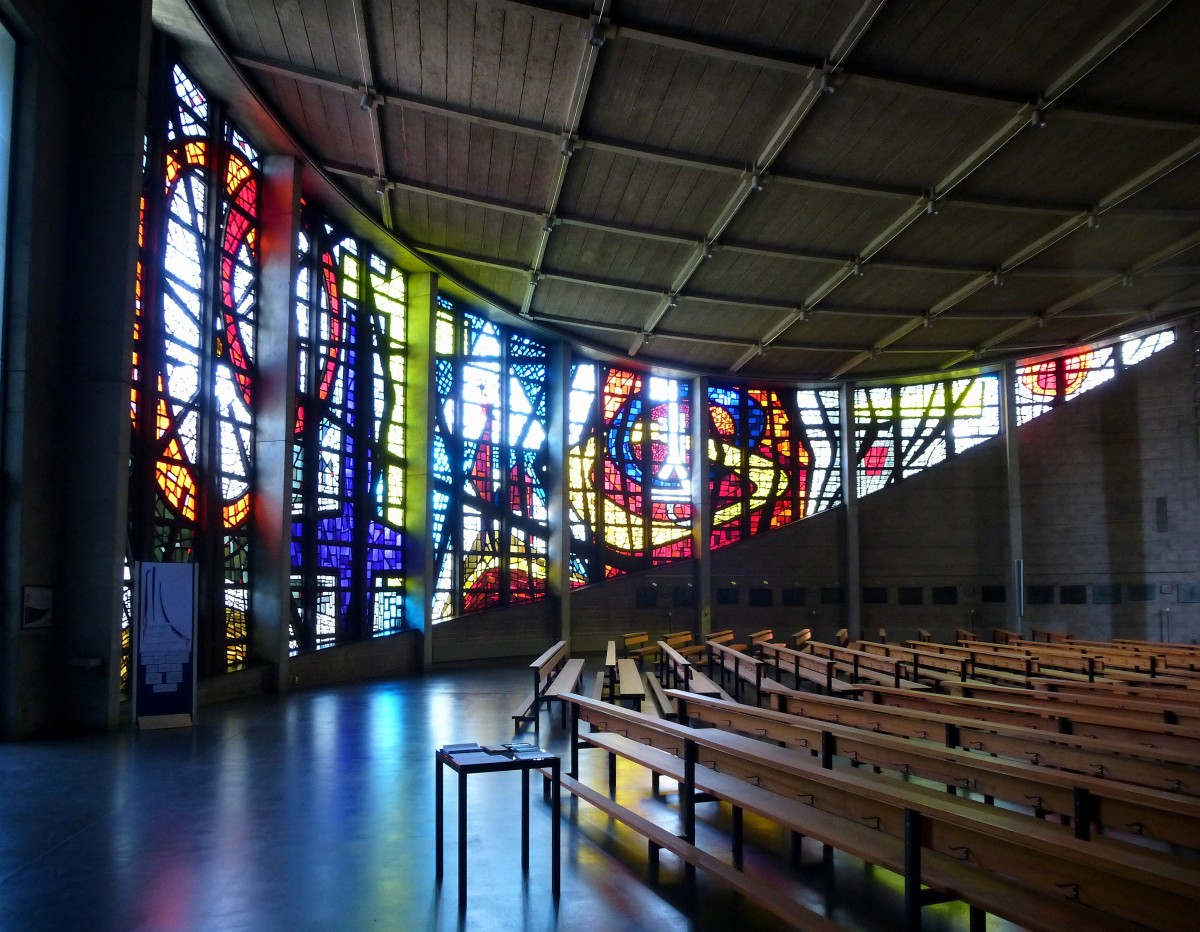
(1093,220)
(931,206)
(708,251)
(928,321)
(1127,280)
(596,35)
(548,224)
(760,349)
(858,267)
(998,278)
(1037,118)
(645,338)
(826,86)
(369,100)
(756,185)
(568,148)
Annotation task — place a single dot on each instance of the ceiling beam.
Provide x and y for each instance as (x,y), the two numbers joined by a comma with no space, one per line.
(847,186)
(592,41)
(1156,258)
(802,105)
(1104,46)
(371,105)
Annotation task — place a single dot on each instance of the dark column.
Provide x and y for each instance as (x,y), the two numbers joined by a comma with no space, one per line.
(276,385)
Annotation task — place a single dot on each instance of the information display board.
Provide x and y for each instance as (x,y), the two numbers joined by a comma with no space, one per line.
(164,654)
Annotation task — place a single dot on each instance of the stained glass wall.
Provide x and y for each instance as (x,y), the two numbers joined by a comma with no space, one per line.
(490,465)
(900,430)
(629,463)
(1043,385)
(192,403)
(772,458)
(349,441)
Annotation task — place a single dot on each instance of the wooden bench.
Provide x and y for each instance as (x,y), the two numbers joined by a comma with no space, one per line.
(808,668)
(742,667)
(638,645)
(860,665)
(922,666)
(1139,733)
(546,669)
(1142,766)
(1020,869)
(630,687)
(1120,811)
(786,909)
(682,673)
(801,638)
(565,681)
(610,667)
(660,700)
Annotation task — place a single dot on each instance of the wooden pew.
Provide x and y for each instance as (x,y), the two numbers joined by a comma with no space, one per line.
(742,667)
(1003,668)
(682,673)
(630,687)
(820,672)
(610,668)
(1045,748)
(921,665)
(1121,707)
(547,669)
(1089,802)
(786,909)
(801,638)
(860,666)
(1139,733)
(1014,866)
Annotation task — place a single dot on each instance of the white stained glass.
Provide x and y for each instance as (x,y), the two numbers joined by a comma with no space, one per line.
(182,257)
(1134,351)
(580,401)
(182,382)
(186,424)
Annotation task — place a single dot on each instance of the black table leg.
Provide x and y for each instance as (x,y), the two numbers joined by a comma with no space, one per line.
(555,859)
(524,821)
(462,841)
(437,765)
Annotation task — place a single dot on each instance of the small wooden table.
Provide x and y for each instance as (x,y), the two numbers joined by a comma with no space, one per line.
(466,759)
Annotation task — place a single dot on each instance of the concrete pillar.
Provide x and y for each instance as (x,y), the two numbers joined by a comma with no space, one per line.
(1012,452)
(107,104)
(701,506)
(275,416)
(852,556)
(558,568)
(419,421)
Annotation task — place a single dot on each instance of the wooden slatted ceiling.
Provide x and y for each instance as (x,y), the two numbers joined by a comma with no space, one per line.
(624,190)
(851,134)
(577,302)
(1136,79)
(688,103)
(973,237)
(1044,164)
(618,258)
(1029,41)
(656,87)
(832,223)
(752,276)
(1102,248)
(778,26)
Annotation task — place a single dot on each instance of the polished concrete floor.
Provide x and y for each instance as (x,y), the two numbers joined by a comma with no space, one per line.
(315,811)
